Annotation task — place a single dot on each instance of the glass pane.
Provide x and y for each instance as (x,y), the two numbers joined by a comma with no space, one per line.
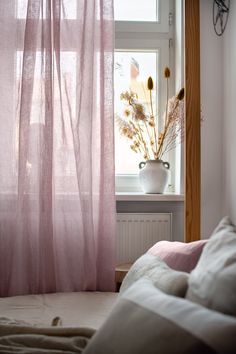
(136,10)
(132,70)
(34,10)
(68,9)
(21,9)
(68,70)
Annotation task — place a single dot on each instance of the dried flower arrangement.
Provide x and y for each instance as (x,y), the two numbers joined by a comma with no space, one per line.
(143,129)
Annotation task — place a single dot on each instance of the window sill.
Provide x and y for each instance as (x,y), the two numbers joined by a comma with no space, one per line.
(139,196)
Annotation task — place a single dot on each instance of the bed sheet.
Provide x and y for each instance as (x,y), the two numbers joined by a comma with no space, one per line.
(79,309)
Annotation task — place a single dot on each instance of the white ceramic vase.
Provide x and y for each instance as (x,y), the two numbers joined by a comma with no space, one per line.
(154,176)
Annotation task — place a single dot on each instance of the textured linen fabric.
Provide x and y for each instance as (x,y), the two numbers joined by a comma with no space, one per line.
(57,189)
(163,277)
(78,309)
(179,255)
(18,337)
(213,282)
(146,320)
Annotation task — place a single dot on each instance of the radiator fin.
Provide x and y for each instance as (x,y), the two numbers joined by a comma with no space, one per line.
(136,233)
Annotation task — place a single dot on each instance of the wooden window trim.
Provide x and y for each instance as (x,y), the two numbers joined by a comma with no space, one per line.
(192,121)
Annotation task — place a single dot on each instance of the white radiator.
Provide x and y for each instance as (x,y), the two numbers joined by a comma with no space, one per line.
(136,233)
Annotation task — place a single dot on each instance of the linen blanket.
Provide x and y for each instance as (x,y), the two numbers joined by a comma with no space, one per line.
(20,337)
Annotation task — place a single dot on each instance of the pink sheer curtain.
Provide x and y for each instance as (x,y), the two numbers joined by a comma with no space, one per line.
(57,200)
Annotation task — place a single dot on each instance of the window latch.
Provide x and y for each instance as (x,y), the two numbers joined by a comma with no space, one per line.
(170,18)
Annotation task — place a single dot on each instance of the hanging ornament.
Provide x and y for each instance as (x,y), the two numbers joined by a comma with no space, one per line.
(220,15)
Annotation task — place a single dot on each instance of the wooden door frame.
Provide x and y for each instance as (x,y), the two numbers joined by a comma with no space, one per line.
(192,163)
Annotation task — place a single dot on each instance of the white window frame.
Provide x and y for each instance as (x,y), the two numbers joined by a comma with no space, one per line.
(147,36)
(161,25)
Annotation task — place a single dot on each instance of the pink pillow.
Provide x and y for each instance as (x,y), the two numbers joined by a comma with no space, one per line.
(179,255)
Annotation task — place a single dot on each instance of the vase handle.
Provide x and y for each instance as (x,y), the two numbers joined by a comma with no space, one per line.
(167,165)
(142,164)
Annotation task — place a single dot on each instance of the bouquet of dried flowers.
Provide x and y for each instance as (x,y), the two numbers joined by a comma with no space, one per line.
(141,127)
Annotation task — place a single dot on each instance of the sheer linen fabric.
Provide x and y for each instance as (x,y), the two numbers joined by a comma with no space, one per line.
(57,200)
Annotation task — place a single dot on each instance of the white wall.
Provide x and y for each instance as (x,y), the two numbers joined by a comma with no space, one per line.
(212,110)
(229,116)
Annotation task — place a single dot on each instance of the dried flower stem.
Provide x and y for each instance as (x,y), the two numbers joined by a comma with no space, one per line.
(149,135)
(143,141)
(159,152)
(140,138)
(155,128)
(167,100)
(140,126)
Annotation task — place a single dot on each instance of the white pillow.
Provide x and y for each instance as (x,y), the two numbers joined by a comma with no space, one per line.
(162,276)
(147,321)
(213,282)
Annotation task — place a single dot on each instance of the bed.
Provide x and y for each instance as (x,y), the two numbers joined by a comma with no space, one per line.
(84,309)
(156,303)
(52,323)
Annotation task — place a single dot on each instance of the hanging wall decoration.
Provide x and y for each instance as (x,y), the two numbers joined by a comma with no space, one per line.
(220,15)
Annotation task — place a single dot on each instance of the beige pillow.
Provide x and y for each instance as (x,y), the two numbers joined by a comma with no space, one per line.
(213,282)
(162,276)
(147,321)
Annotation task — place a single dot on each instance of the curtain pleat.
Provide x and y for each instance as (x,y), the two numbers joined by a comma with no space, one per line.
(57,196)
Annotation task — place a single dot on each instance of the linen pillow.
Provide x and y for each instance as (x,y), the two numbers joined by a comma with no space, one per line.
(213,282)
(179,255)
(146,320)
(166,279)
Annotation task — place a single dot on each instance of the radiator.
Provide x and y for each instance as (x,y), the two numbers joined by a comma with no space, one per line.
(136,233)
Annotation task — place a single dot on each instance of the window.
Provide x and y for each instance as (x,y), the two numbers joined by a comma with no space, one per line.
(136,10)
(131,72)
(143,48)
(68,9)
(68,63)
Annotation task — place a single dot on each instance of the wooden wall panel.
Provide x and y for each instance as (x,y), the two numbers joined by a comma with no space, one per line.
(192,121)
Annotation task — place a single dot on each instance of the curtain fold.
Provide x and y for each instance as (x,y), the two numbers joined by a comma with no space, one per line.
(57,195)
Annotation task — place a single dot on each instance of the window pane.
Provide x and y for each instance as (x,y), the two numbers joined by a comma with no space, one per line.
(68,9)
(136,10)
(132,70)
(68,70)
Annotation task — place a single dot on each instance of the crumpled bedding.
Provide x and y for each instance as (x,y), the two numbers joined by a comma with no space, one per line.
(87,309)
(20,337)
(33,330)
